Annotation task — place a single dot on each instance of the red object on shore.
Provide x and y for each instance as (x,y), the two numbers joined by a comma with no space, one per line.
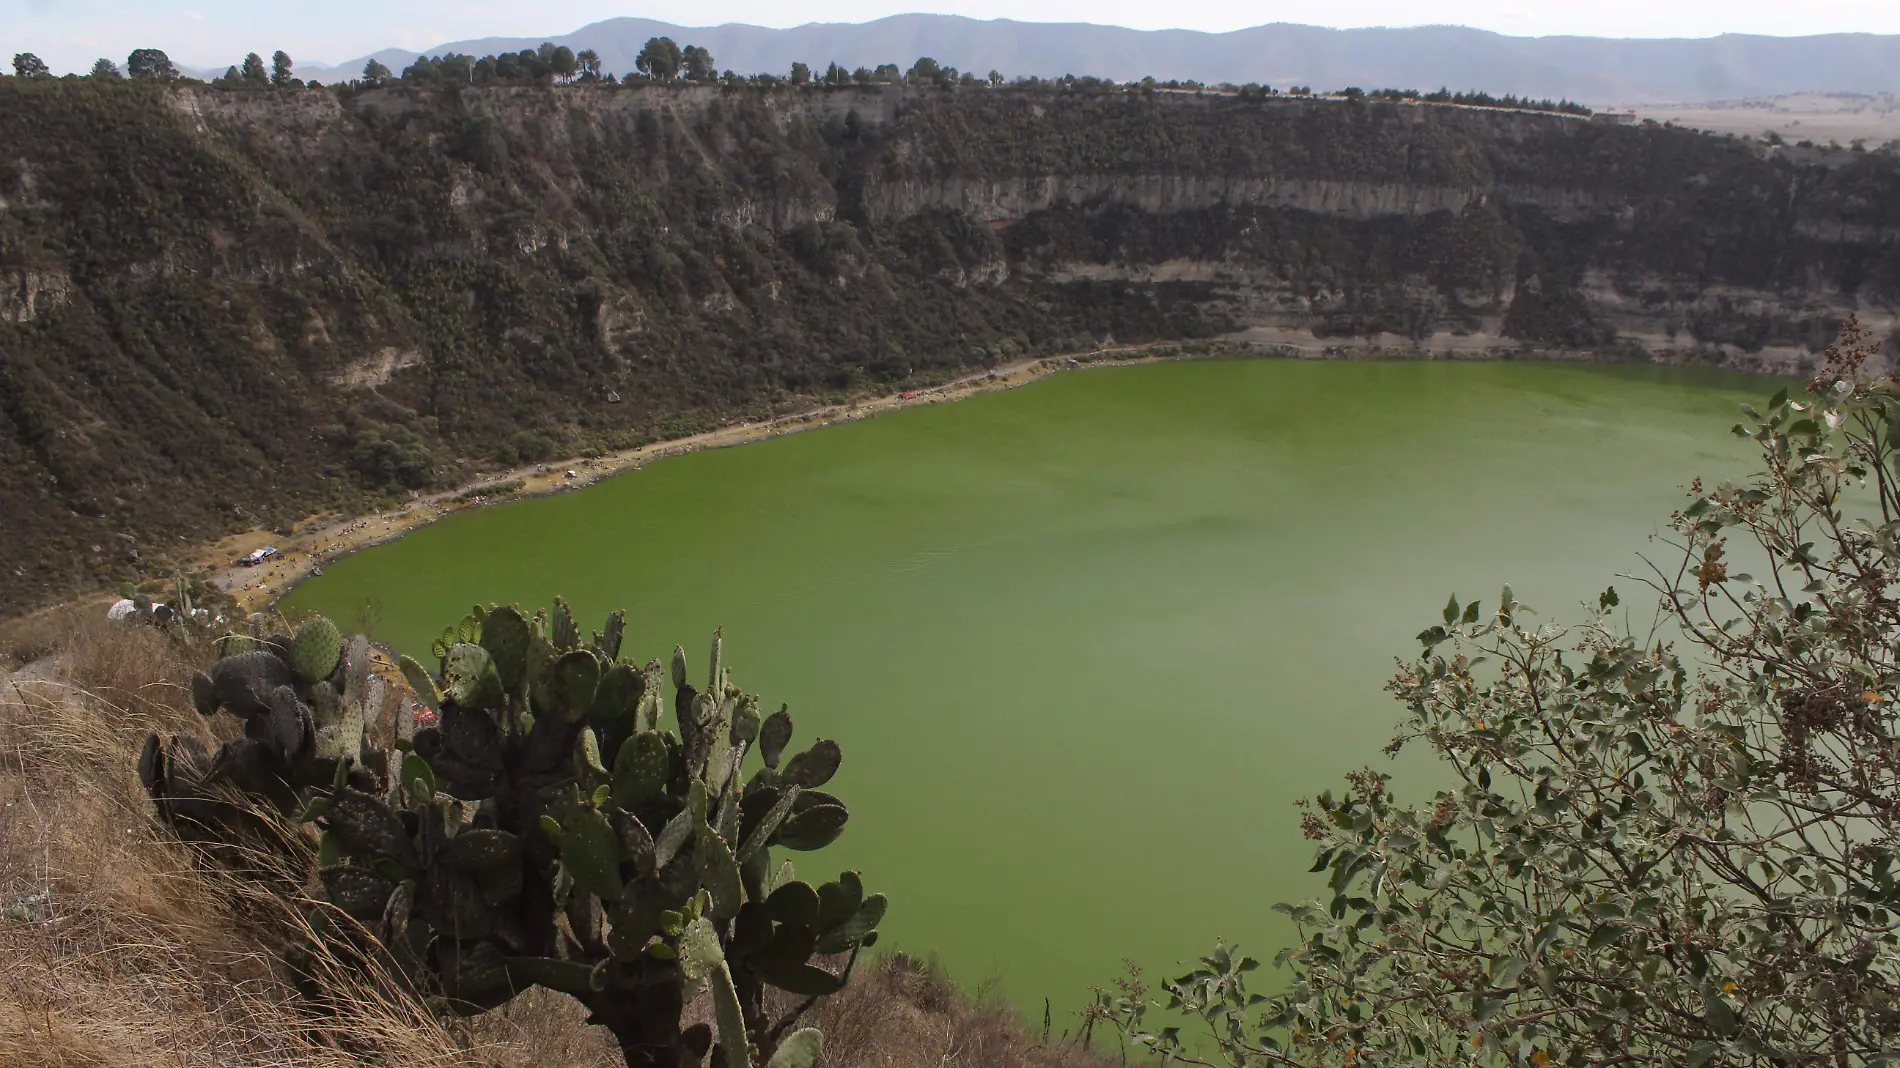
(908,396)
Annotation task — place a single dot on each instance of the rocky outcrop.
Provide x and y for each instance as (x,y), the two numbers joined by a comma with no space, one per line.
(27,294)
(228,308)
(1009,199)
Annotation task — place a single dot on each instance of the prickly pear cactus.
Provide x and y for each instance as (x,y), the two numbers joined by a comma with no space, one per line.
(315,650)
(302,731)
(549,827)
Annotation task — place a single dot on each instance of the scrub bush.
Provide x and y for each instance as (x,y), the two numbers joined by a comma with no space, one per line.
(1671,844)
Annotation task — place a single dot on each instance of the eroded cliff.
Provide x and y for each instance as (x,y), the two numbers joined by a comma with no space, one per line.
(219,308)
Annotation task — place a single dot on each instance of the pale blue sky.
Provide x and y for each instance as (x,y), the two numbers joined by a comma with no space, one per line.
(69,34)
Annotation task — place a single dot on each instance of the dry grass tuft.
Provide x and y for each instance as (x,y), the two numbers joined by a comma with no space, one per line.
(116,949)
(902,1012)
(119,949)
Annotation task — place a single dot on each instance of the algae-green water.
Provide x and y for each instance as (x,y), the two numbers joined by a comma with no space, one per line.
(1085,642)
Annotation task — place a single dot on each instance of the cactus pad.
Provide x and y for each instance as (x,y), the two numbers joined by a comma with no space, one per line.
(356,674)
(505,635)
(699,951)
(242,684)
(365,827)
(544,811)
(803,980)
(641,770)
(616,698)
(733,1044)
(567,688)
(478,848)
(815,766)
(794,903)
(287,726)
(851,933)
(204,696)
(679,667)
(774,735)
(608,641)
(315,649)
(590,851)
(718,873)
(359,892)
(814,828)
(801,1049)
(838,901)
(562,630)
(768,824)
(418,679)
(469,674)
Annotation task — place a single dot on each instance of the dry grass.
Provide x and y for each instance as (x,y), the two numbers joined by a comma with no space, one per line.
(115,948)
(118,949)
(902,1012)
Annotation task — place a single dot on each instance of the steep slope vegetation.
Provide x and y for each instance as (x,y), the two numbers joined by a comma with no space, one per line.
(219,309)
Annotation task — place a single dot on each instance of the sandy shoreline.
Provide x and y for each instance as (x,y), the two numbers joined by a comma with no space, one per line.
(306,552)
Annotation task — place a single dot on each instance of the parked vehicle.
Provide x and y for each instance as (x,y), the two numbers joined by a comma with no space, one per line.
(268,552)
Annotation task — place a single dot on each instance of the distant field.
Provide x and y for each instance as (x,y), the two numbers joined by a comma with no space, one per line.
(1817,117)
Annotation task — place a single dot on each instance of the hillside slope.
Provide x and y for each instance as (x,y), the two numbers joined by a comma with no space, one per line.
(224,309)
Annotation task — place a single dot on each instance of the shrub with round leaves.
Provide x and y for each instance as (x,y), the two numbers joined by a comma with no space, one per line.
(1673,837)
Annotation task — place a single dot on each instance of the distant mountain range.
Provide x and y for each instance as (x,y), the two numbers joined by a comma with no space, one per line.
(1597,70)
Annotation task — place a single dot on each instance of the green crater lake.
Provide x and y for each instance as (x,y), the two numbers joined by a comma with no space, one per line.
(1085,642)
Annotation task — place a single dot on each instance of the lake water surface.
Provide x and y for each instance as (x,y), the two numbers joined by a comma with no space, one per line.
(1085,642)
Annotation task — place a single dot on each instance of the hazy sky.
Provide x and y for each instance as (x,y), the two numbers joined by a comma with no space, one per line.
(69,34)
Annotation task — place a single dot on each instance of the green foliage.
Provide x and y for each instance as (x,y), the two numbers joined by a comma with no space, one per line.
(28,65)
(697,64)
(1674,846)
(925,71)
(252,73)
(105,68)
(315,650)
(150,63)
(392,456)
(659,59)
(548,829)
(308,704)
(546,65)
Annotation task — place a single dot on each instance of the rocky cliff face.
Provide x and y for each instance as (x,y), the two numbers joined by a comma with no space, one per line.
(225,308)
